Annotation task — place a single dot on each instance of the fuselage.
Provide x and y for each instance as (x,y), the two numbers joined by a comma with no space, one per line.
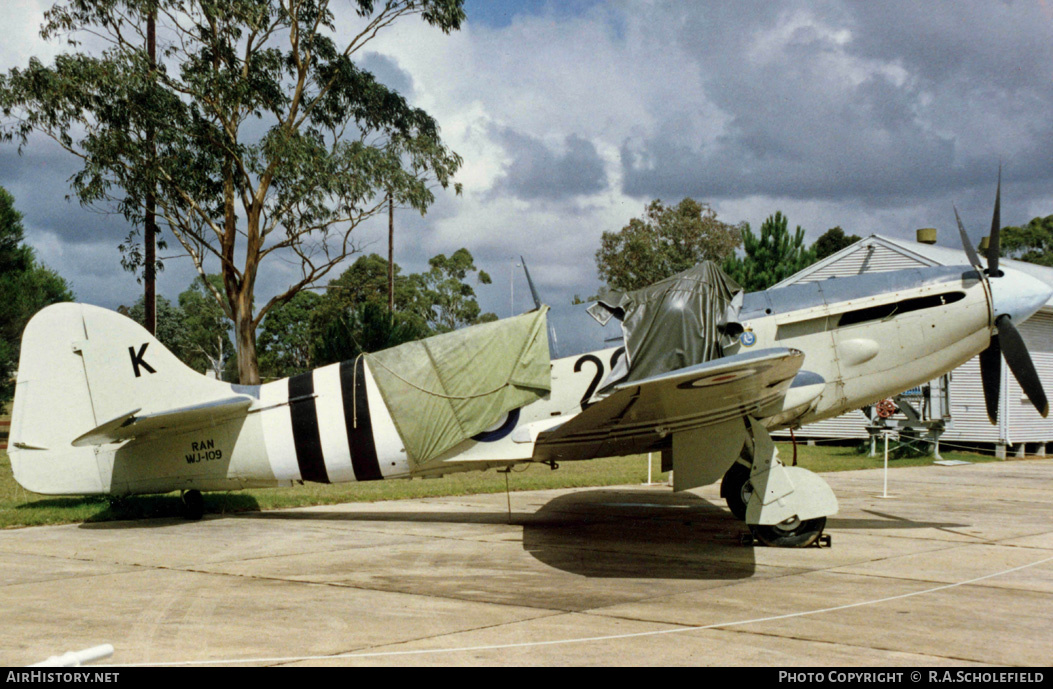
(864,338)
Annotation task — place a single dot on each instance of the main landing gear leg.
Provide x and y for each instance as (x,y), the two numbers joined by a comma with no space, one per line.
(783,506)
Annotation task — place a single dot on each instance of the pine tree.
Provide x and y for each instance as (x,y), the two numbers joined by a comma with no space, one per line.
(771,258)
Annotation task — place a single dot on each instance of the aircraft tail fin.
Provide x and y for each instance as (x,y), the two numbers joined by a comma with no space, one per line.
(81,366)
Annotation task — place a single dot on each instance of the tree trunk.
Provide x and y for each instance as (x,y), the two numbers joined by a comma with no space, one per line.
(245,332)
(391,254)
(150,266)
(150,230)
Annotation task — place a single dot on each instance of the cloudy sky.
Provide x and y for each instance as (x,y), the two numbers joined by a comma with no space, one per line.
(572,115)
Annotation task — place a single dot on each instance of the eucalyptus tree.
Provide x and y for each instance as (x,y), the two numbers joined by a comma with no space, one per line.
(448,299)
(210,346)
(268,140)
(1032,242)
(665,241)
(832,241)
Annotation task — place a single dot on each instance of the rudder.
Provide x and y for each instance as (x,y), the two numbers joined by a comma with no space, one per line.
(79,367)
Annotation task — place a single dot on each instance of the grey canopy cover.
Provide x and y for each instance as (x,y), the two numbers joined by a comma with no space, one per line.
(447,388)
(673,323)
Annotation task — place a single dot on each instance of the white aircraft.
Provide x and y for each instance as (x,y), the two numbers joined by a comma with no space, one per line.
(101,407)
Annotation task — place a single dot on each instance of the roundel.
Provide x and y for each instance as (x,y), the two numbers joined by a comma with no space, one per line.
(718,379)
(747,338)
(494,434)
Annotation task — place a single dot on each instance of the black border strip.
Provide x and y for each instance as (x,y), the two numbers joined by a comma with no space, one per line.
(359,435)
(306,437)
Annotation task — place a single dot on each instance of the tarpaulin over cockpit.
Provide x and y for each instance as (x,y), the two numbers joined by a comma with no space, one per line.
(673,323)
(447,388)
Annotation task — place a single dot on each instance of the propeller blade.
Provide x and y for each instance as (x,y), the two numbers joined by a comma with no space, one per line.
(533,290)
(1020,364)
(974,259)
(991,377)
(553,340)
(994,247)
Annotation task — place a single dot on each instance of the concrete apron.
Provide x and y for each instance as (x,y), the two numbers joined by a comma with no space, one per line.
(958,569)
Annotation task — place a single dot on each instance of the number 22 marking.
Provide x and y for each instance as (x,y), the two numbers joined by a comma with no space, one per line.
(594,383)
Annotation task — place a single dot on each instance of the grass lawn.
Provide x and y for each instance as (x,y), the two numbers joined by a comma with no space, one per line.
(19,507)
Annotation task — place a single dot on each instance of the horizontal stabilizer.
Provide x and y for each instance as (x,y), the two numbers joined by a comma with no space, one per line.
(128,425)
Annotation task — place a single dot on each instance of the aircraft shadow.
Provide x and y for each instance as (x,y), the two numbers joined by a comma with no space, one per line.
(613,533)
(639,534)
(619,533)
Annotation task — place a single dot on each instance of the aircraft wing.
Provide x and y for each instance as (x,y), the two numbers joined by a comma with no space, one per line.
(638,416)
(128,425)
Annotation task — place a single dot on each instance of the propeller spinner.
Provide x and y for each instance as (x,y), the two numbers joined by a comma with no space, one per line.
(1015,296)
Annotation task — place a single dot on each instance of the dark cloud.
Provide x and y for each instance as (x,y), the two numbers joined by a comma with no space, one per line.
(1004,44)
(536,172)
(849,101)
(39,181)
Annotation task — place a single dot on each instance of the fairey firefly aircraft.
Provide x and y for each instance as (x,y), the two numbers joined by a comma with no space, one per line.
(101,407)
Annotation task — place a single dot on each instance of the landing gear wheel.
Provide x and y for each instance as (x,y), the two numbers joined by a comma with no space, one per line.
(193,504)
(736,489)
(792,533)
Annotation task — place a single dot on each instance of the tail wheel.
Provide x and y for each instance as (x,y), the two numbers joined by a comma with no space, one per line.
(792,533)
(736,489)
(193,504)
